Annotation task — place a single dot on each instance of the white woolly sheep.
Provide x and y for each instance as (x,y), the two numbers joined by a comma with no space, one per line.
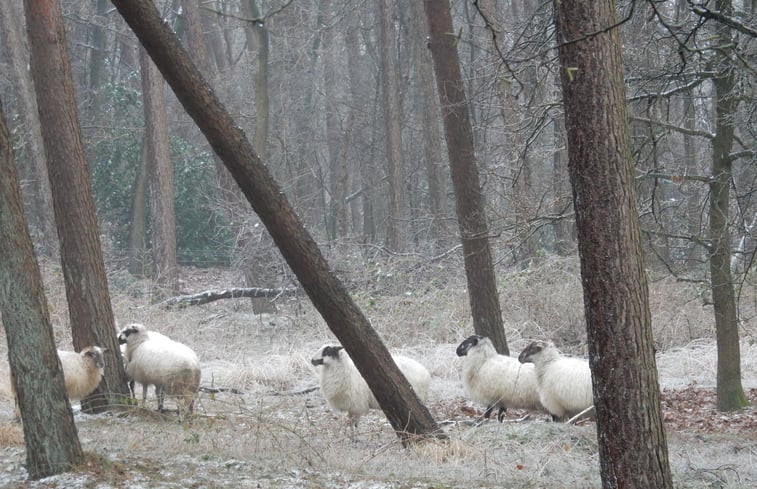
(497,381)
(346,390)
(83,371)
(564,383)
(154,359)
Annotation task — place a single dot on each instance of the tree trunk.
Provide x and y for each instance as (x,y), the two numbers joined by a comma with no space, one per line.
(52,444)
(471,216)
(730,392)
(432,137)
(165,273)
(397,224)
(39,203)
(83,269)
(139,263)
(259,255)
(631,435)
(395,396)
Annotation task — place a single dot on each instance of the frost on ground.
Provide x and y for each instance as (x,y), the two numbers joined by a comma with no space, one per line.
(276,431)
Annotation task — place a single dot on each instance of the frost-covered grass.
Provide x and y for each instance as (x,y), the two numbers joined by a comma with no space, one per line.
(279,433)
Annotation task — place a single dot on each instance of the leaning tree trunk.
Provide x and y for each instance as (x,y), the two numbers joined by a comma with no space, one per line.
(631,435)
(396,397)
(471,216)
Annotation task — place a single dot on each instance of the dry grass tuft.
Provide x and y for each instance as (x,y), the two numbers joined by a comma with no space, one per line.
(11,433)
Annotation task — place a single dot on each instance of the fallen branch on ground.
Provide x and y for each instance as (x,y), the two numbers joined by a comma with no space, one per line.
(234,293)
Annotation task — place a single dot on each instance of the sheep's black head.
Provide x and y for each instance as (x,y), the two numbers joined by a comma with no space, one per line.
(128,331)
(96,354)
(531,350)
(326,352)
(467,344)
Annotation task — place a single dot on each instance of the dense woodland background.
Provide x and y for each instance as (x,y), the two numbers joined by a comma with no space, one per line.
(339,101)
(305,81)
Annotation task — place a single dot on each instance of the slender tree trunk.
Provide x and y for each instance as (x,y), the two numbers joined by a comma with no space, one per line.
(471,216)
(89,305)
(394,394)
(52,444)
(432,137)
(632,445)
(139,262)
(165,272)
(397,225)
(730,392)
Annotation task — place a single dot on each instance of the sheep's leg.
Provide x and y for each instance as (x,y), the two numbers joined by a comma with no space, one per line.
(144,395)
(489,410)
(160,393)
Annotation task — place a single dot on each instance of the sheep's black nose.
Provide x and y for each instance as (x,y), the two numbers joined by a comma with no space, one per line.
(317,361)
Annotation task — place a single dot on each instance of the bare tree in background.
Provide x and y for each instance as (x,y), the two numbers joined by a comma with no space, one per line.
(87,293)
(471,216)
(631,435)
(52,444)
(40,199)
(396,397)
(160,168)
(396,232)
(730,392)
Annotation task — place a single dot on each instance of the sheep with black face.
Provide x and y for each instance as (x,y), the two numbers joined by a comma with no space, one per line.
(172,367)
(497,381)
(564,383)
(346,390)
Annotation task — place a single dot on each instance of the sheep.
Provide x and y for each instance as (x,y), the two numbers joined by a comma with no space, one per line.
(83,371)
(346,390)
(496,380)
(172,367)
(564,383)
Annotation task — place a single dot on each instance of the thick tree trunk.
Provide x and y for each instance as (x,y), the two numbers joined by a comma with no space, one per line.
(39,202)
(83,269)
(632,444)
(471,217)
(395,395)
(52,444)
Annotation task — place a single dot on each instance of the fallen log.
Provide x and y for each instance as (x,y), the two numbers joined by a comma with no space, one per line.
(233,293)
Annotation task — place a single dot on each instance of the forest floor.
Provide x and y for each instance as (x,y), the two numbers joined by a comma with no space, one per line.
(277,431)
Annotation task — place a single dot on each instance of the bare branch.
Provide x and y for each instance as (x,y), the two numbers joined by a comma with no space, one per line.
(723,19)
(672,127)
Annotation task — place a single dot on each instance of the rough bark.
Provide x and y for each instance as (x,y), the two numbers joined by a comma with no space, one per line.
(471,216)
(52,444)
(631,434)
(39,202)
(87,294)
(400,404)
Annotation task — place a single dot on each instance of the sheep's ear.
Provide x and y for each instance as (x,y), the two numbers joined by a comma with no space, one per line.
(332,351)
